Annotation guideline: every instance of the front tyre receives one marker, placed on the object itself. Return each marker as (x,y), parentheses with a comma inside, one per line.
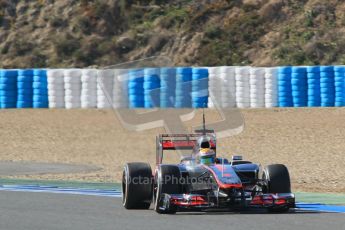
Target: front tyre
(137,186)
(277,180)
(167,180)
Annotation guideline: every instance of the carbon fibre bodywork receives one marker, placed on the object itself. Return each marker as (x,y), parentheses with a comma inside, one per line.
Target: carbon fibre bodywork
(222,187)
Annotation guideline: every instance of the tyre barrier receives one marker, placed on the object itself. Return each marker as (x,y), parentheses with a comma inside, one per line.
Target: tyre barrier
(72,84)
(168,86)
(299,86)
(284,87)
(313,81)
(8,89)
(56,88)
(174,87)
(151,87)
(120,89)
(88,94)
(327,87)
(242,87)
(24,88)
(136,88)
(40,89)
(105,81)
(257,87)
(227,87)
(214,86)
(183,89)
(199,88)
(339,74)
(271,87)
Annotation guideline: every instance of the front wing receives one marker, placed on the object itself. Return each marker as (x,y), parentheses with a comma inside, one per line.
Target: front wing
(195,202)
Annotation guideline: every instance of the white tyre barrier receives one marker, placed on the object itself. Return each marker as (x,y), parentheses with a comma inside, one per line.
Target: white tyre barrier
(105,80)
(214,86)
(210,103)
(228,86)
(72,85)
(271,87)
(120,89)
(257,87)
(242,80)
(88,98)
(56,91)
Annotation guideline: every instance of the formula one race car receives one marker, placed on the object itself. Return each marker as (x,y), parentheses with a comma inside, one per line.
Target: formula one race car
(193,185)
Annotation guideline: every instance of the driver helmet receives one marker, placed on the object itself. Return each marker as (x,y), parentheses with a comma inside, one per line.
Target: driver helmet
(205,155)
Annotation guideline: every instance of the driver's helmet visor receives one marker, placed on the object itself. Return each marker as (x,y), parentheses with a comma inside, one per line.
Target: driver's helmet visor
(209,159)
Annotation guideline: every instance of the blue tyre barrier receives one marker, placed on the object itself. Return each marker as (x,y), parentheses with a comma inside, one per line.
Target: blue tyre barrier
(40,78)
(183,87)
(40,89)
(24,104)
(327,69)
(8,80)
(285,86)
(25,72)
(24,85)
(151,87)
(168,87)
(327,86)
(5,105)
(314,94)
(298,70)
(25,78)
(338,104)
(313,69)
(40,85)
(23,97)
(339,85)
(285,104)
(40,105)
(285,70)
(327,90)
(313,103)
(8,93)
(136,88)
(199,93)
(8,88)
(299,86)
(135,84)
(284,77)
(24,88)
(313,98)
(326,74)
(40,92)
(285,94)
(299,95)
(40,98)
(5,99)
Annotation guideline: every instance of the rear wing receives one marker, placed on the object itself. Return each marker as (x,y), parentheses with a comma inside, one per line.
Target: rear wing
(180,142)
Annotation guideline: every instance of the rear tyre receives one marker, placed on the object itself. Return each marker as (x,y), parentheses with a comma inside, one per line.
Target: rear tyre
(277,181)
(166,182)
(137,186)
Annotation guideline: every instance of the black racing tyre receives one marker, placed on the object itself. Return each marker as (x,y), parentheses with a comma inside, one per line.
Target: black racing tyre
(277,178)
(167,180)
(137,186)
(278,181)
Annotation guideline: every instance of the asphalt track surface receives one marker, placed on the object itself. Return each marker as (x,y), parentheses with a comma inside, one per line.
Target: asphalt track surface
(8,168)
(35,211)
